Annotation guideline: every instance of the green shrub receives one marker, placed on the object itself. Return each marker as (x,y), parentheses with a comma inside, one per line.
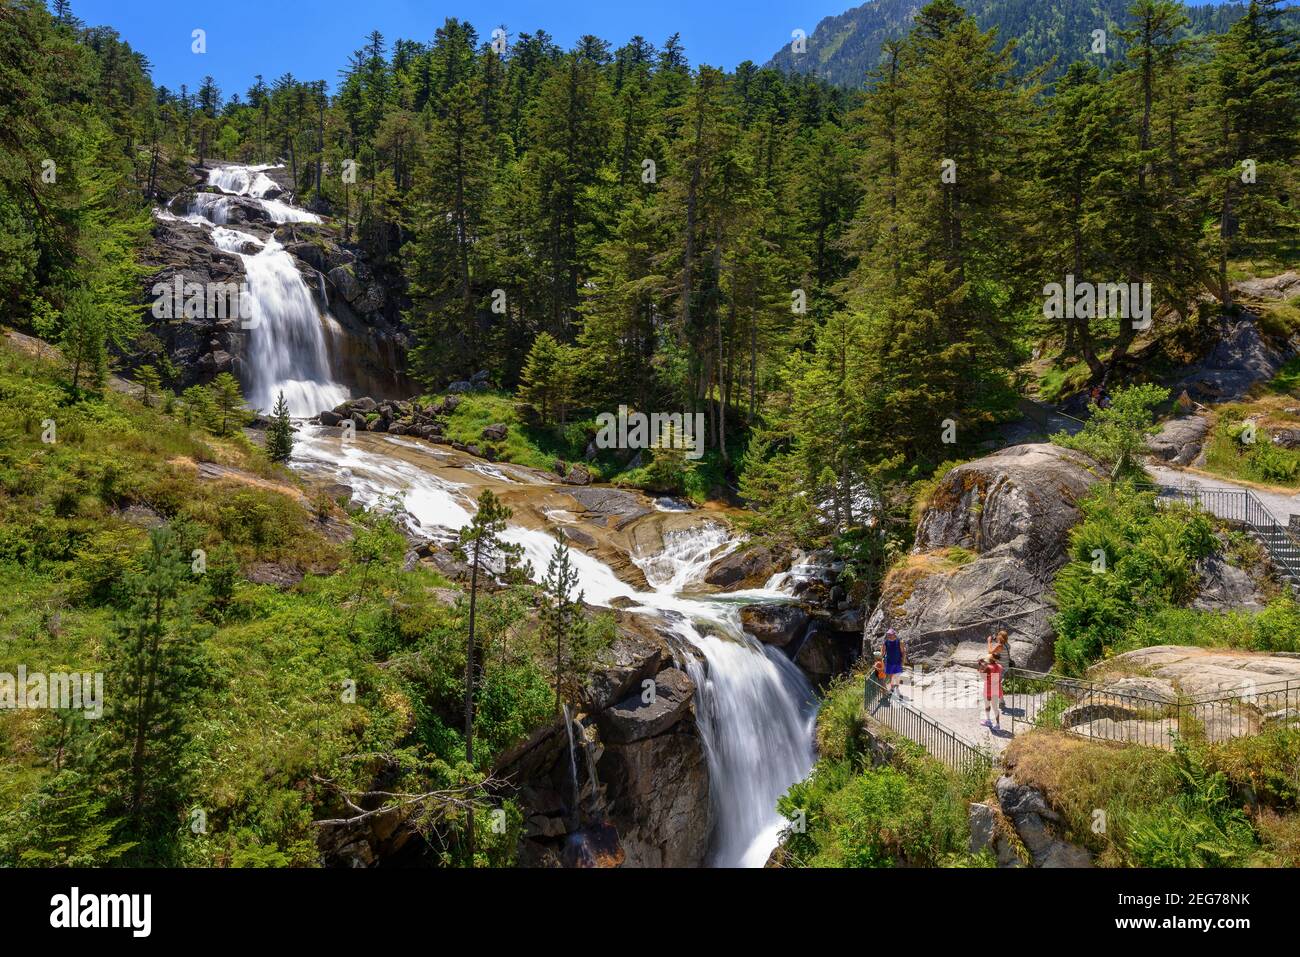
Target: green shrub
(913,813)
(1130,558)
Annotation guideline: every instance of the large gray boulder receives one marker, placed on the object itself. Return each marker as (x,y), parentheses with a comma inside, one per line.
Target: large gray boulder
(1180,439)
(1241,357)
(748,566)
(1223,587)
(1012,509)
(1285,286)
(1025,496)
(774,623)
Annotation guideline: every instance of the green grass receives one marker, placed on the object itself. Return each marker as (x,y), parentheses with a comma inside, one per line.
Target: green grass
(911,811)
(529,445)
(1281,319)
(1287,380)
(1057,383)
(1227,452)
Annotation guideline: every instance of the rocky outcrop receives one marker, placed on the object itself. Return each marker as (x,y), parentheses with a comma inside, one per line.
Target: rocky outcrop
(1285,286)
(822,645)
(988,546)
(747,567)
(824,653)
(1035,825)
(1024,496)
(1223,587)
(658,797)
(642,769)
(1241,356)
(1180,440)
(1207,670)
(392,416)
(775,624)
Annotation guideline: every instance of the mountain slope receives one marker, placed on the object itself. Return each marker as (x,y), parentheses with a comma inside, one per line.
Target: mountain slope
(843,49)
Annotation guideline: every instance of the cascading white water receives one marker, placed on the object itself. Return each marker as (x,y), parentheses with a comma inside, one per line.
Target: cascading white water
(755,708)
(286,347)
(574,811)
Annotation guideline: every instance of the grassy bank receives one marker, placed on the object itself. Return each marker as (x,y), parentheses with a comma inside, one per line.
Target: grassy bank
(277,701)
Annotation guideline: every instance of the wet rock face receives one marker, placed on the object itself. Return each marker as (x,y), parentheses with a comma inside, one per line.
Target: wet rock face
(650,786)
(658,793)
(812,638)
(1014,509)
(745,568)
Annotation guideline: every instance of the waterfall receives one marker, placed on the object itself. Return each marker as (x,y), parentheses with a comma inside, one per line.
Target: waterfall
(285,349)
(755,709)
(576,809)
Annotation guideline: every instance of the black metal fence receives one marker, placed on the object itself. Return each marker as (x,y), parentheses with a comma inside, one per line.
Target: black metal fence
(1242,507)
(963,756)
(1150,715)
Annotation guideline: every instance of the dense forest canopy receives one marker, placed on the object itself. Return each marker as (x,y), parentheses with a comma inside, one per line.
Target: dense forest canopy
(835,278)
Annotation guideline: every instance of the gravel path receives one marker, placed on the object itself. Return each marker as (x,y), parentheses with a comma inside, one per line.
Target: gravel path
(1282,505)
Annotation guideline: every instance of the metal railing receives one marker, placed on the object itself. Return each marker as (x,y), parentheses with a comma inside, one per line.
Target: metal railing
(1242,507)
(949,747)
(1149,717)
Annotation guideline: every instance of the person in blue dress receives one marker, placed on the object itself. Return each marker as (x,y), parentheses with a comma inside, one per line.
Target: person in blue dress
(895,658)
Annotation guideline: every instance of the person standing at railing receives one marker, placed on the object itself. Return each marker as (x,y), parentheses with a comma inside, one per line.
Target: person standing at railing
(991,670)
(895,653)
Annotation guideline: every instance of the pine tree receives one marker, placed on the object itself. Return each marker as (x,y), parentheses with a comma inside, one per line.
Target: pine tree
(481,545)
(155,663)
(1075,167)
(84,339)
(451,191)
(939,276)
(150,384)
(1252,119)
(569,129)
(227,402)
(279,434)
(65,824)
(197,406)
(546,382)
(1151,245)
(562,625)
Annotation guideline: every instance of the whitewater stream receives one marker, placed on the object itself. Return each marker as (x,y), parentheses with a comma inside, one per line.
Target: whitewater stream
(755,708)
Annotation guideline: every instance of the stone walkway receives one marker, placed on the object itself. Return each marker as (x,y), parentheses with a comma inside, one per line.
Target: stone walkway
(953,697)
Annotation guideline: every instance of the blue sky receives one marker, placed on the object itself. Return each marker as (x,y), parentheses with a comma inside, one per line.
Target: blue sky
(312,38)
